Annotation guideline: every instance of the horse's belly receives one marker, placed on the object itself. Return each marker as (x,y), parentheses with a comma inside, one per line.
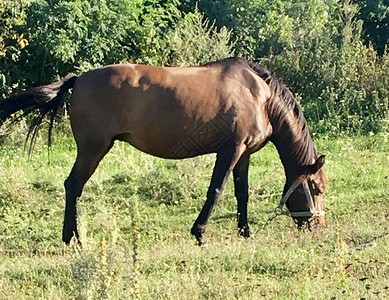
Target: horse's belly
(182,140)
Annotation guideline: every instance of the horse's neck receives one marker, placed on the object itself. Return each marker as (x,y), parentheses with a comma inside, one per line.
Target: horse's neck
(294,145)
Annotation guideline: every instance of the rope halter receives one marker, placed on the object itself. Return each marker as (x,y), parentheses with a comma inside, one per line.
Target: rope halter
(297,214)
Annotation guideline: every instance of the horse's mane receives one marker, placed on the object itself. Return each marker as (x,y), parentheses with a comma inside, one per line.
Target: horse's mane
(279,106)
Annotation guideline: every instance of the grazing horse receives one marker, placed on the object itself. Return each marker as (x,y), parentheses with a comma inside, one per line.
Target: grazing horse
(229,107)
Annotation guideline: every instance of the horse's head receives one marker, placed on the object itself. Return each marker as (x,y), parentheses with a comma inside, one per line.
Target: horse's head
(305,200)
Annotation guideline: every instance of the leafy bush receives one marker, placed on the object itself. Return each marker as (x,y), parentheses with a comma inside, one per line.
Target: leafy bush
(195,41)
(76,36)
(342,82)
(319,48)
(375,17)
(79,35)
(12,42)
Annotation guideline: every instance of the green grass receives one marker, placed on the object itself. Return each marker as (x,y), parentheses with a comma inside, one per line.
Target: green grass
(136,212)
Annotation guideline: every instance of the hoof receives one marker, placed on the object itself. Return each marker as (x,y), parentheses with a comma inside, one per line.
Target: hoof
(244,232)
(67,236)
(198,231)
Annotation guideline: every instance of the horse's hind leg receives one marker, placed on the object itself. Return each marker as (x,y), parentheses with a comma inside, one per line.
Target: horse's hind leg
(241,193)
(225,162)
(88,157)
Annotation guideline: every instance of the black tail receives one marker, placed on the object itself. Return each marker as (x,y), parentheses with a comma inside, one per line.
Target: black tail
(43,99)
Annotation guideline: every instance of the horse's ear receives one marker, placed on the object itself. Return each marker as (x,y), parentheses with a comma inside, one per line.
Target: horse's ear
(319,162)
(316,166)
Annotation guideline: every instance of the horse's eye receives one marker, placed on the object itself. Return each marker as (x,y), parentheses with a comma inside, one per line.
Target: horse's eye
(316,189)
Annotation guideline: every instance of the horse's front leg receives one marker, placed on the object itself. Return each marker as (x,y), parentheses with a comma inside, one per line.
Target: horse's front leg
(242,194)
(226,159)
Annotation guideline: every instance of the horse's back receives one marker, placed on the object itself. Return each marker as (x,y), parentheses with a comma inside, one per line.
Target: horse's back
(168,112)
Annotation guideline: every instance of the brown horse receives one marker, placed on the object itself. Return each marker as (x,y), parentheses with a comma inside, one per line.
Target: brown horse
(229,107)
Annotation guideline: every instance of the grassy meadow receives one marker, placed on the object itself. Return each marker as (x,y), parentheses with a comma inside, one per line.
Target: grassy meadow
(137,210)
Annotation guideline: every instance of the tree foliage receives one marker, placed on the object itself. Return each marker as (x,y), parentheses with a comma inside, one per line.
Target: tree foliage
(79,35)
(12,41)
(341,81)
(195,41)
(331,53)
(375,17)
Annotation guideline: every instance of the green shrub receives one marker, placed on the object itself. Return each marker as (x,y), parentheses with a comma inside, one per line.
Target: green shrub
(12,43)
(341,82)
(79,35)
(195,41)
(319,48)
(76,36)
(375,16)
